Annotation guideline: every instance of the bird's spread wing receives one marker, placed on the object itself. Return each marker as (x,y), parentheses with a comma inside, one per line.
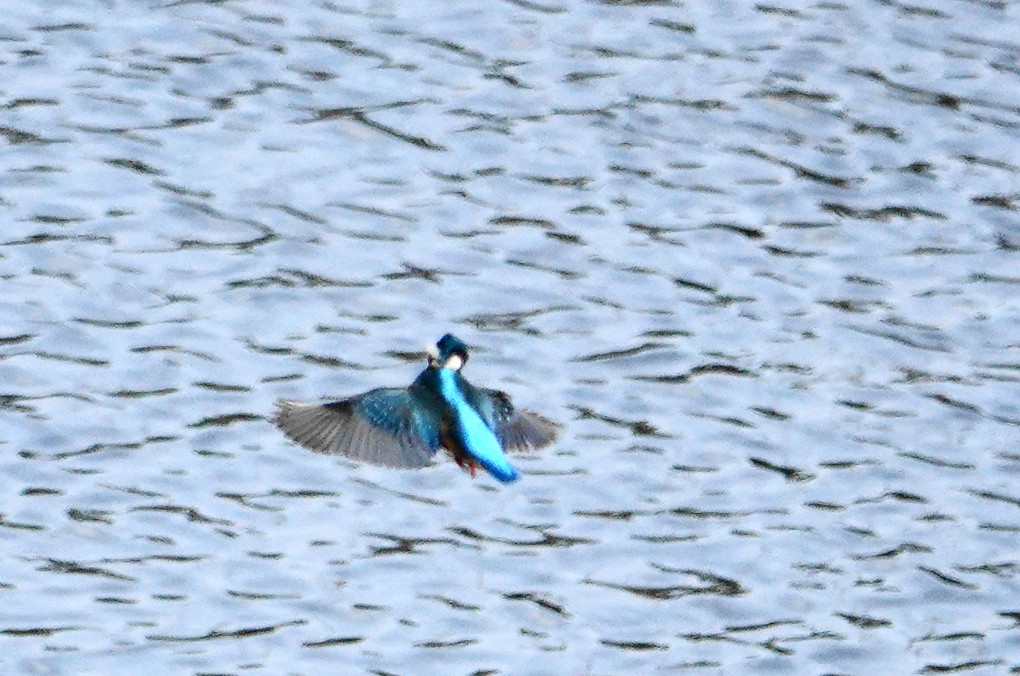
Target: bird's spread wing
(383,427)
(516,430)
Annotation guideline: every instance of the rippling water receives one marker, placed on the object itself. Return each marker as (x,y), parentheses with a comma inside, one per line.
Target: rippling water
(759,260)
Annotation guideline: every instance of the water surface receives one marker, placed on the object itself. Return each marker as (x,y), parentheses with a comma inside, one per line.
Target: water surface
(760,261)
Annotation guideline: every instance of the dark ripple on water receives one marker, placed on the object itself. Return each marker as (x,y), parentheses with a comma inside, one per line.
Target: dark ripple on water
(759,260)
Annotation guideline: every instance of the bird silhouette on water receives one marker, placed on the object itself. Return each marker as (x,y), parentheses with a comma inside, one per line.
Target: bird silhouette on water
(406,426)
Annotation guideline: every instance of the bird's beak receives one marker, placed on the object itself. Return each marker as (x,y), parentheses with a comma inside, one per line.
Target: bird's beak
(432,352)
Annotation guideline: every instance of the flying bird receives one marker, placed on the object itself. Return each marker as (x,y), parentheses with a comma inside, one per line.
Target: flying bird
(405,427)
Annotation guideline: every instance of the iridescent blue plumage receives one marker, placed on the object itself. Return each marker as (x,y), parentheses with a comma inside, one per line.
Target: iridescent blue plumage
(404,427)
(471,433)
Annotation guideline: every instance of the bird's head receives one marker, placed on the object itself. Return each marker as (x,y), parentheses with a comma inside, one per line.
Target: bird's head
(449,353)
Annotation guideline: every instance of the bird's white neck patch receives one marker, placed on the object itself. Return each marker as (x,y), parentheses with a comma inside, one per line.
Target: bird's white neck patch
(453,362)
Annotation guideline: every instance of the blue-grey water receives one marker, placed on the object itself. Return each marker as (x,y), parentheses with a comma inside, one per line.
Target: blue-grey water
(759,260)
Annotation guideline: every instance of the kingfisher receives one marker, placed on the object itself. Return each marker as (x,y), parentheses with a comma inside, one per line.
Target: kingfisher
(404,427)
